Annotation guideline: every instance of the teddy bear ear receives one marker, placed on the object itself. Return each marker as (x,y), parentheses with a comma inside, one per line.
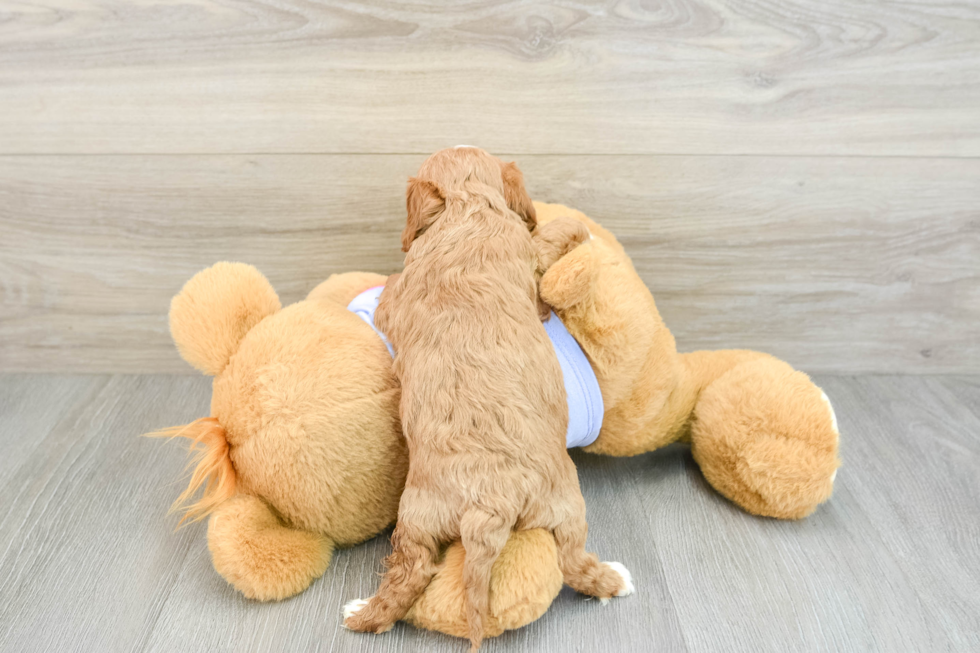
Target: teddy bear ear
(215,309)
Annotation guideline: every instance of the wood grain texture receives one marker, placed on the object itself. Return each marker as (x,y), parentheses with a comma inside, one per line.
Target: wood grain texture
(89,562)
(87,558)
(835,264)
(920,448)
(628,76)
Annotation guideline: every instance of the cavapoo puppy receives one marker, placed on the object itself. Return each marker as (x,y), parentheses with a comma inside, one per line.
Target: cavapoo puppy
(483,405)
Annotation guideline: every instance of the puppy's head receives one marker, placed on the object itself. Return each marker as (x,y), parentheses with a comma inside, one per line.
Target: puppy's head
(453,170)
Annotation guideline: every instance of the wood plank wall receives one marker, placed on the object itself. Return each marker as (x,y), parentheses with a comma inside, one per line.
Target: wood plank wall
(801,176)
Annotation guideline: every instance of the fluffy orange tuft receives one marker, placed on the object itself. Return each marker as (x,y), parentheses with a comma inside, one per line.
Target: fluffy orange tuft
(212,467)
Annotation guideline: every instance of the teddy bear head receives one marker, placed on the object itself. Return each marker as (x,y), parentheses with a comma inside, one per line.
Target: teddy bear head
(304,404)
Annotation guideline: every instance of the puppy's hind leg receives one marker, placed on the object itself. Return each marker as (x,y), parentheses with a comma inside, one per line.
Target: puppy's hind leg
(582,570)
(410,568)
(484,535)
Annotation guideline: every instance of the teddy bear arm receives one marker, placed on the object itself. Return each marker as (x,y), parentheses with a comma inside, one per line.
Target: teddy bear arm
(556,239)
(524,581)
(260,556)
(342,288)
(570,280)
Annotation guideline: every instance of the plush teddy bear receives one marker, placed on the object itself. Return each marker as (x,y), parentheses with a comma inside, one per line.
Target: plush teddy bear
(303,450)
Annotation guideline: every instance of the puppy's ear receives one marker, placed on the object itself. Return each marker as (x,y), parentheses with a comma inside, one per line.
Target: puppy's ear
(424,201)
(516,196)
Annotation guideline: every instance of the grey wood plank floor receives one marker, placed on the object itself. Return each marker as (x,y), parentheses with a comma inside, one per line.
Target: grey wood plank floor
(89,560)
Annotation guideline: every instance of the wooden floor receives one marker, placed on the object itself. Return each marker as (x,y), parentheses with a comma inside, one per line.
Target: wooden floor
(90,562)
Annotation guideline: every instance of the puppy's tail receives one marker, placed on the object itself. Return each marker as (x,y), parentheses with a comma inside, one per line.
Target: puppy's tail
(212,467)
(484,535)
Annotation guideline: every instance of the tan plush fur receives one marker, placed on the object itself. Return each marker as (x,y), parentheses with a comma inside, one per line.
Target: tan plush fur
(761,432)
(343,288)
(213,470)
(304,423)
(483,404)
(258,554)
(254,545)
(242,300)
(525,581)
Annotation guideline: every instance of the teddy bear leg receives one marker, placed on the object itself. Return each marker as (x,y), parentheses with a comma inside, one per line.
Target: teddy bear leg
(766,438)
(524,581)
(259,555)
(342,288)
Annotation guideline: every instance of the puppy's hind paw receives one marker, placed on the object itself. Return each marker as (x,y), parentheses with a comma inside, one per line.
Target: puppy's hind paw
(353,607)
(627,587)
(361,616)
(627,577)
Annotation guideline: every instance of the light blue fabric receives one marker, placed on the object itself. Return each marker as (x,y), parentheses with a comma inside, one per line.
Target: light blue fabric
(364,306)
(585,408)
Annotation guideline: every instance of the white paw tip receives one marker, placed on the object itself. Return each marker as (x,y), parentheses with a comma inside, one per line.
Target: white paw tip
(353,607)
(620,569)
